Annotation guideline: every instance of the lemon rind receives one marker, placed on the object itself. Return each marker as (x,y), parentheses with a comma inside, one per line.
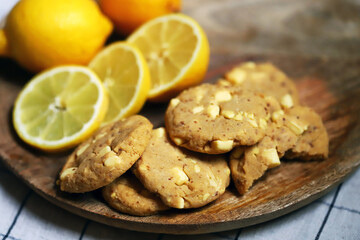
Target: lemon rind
(198,32)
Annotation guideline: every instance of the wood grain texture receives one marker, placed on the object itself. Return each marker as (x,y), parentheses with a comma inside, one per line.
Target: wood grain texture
(313,43)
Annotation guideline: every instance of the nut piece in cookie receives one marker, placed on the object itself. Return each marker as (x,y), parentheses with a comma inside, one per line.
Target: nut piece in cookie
(264,78)
(248,164)
(313,140)
(214,119)
(181,178)
(128,195)
(106,155)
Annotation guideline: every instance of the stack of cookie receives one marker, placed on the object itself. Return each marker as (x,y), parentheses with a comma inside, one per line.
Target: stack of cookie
(169,176)
(253,113)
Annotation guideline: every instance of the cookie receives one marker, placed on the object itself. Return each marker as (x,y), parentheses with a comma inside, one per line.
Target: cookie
(264,78)
(297,132)
(313,140)
(182,179)
(106,155)
(248,164)
(128,195)
(214,119)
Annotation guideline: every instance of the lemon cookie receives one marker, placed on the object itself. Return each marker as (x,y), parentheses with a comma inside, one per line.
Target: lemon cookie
(181,178)
(297,132)
(248,164)
(264,78)
(214,119)
(128,195)
(106,155)
(313,140)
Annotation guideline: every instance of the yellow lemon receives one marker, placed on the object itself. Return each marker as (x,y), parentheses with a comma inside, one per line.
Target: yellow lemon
(177,52)
(126,77)
(127,15)
(40,33)
(60,108)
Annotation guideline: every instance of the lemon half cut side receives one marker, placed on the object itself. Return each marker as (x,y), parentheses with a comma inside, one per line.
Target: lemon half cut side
(177,52)
(60,107)
(126,77)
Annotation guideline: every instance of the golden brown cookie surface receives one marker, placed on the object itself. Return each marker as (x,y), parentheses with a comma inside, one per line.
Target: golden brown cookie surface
(214,119)
(297,132)
(264,78)
(128,195)
(313,140)
(106,155)
(248,164)
(182,179)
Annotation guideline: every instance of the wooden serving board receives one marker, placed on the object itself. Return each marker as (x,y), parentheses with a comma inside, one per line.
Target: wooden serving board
(297,37)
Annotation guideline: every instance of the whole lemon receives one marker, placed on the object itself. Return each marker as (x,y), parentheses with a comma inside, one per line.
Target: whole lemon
(40,33)
(127,15)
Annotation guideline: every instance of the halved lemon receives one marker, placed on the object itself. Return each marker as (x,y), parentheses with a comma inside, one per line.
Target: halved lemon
(60,108)
(177,52)
(126,77)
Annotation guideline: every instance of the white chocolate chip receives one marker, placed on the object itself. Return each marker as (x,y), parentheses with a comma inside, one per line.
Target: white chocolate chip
(143,168)
(179,175)
(267,117)
(67,172)
(287,101)
(113,195)
(213,111)
(181,203)
(250,115)
(223,82)
(212,183)
(228,114)
(254,150)
(297,127)
(239,116)
(236,76)
(198,109)
(237,152)
(199,96)
(250,65)
(159,132)
(176,202)
(252,122)
(197,168)
(223,146)
(104,151)
(223,96)
(206,196)
(112,161)
(272,157)
(263,123)
(82,149)
(277,115)
(174,102)
(100,135)
(178,141)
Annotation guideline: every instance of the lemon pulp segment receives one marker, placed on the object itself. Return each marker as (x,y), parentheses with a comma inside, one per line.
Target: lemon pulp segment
(176,50)
(125,76)
(59,106)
